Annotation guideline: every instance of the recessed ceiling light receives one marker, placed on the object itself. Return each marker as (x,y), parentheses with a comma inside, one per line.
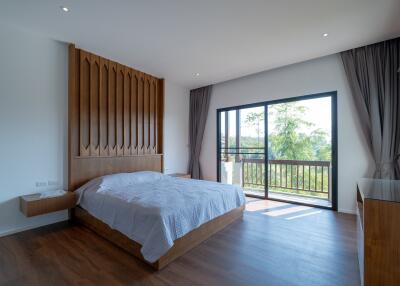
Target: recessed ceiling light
(197,74)
(65,9)
(325,35)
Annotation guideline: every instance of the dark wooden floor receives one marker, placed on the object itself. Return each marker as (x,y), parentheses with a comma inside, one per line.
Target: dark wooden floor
(275,244)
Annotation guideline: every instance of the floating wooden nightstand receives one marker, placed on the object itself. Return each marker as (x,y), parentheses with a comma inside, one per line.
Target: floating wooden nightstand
(32,205)
(180,175)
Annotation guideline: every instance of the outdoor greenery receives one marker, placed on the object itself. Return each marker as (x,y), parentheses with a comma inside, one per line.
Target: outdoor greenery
(291,138)
(288,141)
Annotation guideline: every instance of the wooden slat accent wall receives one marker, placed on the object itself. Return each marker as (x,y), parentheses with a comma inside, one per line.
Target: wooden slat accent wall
(114,111)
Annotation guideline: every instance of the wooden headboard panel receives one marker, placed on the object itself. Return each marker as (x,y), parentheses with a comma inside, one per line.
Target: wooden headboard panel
(115,118)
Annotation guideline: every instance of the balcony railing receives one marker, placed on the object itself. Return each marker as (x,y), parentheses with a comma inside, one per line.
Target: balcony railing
(288,176)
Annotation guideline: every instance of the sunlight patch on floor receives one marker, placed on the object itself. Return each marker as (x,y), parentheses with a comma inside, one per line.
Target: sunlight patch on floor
(254,205)
(283,210)
(303,215)
(286,211)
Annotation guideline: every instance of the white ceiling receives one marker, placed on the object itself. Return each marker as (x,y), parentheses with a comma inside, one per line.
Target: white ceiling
(220,39)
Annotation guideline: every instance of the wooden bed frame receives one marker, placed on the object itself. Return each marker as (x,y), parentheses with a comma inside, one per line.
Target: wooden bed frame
(181,245)
(116,125)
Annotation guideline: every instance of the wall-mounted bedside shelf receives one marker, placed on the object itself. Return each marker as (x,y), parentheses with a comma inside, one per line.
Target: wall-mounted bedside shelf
(180,175)
(35,204)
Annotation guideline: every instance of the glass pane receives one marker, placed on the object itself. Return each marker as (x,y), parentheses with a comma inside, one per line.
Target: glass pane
(299,151)
(222,129)
(231,128)
(252,127)
(243,162)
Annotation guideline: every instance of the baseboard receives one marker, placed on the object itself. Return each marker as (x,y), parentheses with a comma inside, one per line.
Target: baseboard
(347,211)
(28,227)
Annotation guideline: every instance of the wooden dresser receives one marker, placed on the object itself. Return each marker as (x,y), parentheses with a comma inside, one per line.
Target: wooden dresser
(378,231)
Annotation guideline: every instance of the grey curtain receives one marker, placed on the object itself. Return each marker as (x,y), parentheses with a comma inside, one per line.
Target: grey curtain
(373,75)
(199,104)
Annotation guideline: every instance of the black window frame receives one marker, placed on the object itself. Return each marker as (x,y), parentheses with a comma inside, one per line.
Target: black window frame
(334,138)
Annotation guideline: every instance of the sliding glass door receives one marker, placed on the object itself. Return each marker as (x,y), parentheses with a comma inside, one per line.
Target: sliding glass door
(300,151)
(242,149)
(283,150)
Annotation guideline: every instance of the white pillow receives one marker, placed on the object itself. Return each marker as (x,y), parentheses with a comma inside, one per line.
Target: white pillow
(126,179)
(116,181)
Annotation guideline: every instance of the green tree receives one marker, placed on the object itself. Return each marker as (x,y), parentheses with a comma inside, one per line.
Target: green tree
(287,141)
(254,119)
(320,143)
(290,138)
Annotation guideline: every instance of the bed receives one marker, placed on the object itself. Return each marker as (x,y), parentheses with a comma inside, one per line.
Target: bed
(154,216)
(115,130)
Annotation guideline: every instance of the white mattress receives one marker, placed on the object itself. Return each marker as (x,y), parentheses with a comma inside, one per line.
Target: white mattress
(157,209)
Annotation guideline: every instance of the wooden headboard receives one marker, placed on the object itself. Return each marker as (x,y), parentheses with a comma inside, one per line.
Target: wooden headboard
(115,118)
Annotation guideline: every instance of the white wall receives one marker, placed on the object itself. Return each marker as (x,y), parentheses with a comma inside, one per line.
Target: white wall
(315,76)
(33,124)
(176,128)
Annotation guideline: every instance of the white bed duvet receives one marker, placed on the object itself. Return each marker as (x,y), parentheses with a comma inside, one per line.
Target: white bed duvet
(155,209)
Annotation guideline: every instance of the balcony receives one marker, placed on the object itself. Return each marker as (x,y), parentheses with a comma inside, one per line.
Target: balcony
(290,180)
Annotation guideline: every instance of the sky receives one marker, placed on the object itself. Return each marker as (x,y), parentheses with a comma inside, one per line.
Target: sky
(318,111)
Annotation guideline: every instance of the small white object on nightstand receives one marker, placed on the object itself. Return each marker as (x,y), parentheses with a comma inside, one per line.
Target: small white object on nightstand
(52,194)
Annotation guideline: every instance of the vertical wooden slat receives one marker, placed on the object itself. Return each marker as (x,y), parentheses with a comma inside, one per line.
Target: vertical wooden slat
(140,115)
(152,116)
(156,116)
(103,103)
(120,109)
(160,115)
(84,92)
(127,111)
(112,108)
(134,113)
(146,113)
(73,109)
(94,105)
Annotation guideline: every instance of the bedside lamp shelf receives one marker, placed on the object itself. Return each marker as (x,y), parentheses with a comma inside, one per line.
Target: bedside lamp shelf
(180,175)
(37,204)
